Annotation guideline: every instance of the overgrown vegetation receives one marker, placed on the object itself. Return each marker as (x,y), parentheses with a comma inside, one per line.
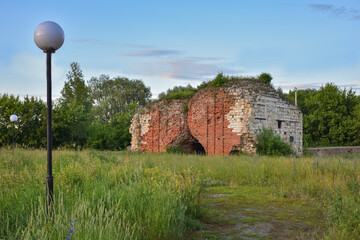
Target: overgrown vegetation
(221,80)
(178,92)
(270,143)
(118,195)
(331,116)
(265,78)
(174,150)
(110,195)
(96,115)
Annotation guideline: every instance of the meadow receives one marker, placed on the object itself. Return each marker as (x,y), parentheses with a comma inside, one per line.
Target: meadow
(123,195)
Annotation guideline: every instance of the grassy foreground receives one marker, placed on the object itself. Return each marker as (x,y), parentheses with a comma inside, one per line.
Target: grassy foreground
(118,195)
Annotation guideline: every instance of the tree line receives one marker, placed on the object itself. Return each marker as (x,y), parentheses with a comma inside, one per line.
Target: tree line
(331,116)
(97,114)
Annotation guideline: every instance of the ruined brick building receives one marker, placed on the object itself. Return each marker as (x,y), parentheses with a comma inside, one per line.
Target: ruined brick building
(217,121)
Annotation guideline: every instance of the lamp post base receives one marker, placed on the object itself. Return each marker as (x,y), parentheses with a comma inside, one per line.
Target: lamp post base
(49,196)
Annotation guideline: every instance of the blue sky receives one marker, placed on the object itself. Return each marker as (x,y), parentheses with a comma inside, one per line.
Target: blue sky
(302,44)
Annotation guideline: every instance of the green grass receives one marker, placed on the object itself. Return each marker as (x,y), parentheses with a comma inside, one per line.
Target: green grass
(118,195)
(253,220)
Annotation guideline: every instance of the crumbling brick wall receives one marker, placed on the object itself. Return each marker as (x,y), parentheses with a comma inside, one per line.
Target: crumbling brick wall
(158,126)
(221,120)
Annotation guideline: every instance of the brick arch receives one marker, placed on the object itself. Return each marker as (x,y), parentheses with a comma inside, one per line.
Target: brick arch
(210,121)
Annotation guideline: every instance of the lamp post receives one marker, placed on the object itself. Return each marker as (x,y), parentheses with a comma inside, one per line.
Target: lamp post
(13,119)
(49,37)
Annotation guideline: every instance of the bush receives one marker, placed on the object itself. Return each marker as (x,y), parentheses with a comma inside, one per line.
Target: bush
(218,81)
(178,92)
(269,143)
(265,77)
(174,149)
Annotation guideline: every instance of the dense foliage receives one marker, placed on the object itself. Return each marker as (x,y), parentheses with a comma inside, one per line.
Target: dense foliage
(265,77)
(30,129)
(331,116)
(96,115)
(270,143)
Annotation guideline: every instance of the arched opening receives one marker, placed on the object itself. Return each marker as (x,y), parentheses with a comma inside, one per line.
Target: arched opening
(192,146)
(198,148)
(234,152)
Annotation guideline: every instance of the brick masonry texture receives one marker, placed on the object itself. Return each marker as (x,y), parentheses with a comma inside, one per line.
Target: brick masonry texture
(158,126)
(223,120)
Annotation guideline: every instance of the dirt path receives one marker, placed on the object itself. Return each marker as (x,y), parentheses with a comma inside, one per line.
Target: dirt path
(254,213)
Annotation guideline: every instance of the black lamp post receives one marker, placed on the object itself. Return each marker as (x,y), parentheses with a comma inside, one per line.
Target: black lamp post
(49,37)
(13,118)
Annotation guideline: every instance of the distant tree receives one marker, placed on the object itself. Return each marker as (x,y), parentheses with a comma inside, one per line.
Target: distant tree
(9,105)
(32,123)
(118,95)
(115,102)
(305,99)
(113,135)
(329,116)
(265,77)
(72,114)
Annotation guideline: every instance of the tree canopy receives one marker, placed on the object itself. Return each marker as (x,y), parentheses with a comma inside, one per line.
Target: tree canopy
(330,116)
(97,114)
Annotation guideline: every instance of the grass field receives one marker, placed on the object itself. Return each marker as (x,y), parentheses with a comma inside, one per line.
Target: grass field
(119,195)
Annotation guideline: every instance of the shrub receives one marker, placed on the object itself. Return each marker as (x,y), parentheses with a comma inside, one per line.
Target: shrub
(265,77)
(174,149)
(178,92)
(269,143)
(218,81)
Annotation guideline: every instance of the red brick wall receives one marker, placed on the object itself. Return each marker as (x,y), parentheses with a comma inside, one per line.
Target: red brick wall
(207,122)
(213,117)
(167,122)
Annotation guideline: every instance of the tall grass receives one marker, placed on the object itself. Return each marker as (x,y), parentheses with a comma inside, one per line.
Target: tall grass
(118,195)
(109,195)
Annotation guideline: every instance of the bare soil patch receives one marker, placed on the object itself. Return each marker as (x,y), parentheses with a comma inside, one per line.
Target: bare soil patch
(229,214)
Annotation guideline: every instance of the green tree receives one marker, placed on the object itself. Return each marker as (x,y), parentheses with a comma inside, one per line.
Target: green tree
(115,102)
(8,105)
(32,123)
(72,113)
(118,95)
(265,77)
(329,116)
(113,135)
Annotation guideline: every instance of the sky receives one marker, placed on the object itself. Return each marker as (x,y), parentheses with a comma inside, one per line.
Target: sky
(301,43)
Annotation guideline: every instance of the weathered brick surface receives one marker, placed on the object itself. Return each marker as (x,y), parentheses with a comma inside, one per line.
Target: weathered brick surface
(155,128)
(222,120)
(208,122)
